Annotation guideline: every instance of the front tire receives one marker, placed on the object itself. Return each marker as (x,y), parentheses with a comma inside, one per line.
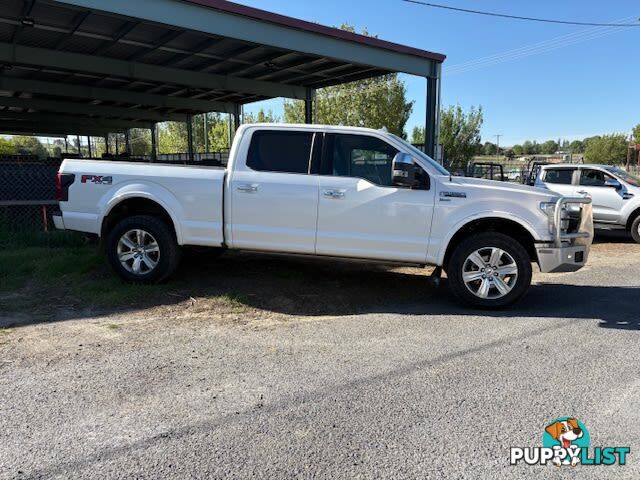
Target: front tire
(489,270)
(142,249)
(635,229)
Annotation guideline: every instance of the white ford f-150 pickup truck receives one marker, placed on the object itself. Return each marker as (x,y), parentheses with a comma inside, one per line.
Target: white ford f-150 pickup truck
(328,191)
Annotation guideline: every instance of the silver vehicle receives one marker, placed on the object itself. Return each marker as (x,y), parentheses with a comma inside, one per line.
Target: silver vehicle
(615,193)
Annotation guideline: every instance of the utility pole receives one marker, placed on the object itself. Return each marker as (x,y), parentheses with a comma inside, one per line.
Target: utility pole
(498,145)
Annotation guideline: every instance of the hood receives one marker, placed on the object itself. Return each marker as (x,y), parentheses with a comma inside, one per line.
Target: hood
(542,193)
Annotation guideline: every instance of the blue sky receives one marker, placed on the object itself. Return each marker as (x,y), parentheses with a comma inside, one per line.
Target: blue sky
(564,82)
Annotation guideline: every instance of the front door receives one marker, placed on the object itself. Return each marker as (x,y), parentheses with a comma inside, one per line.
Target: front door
(360,213)
(607,201)
(274,200)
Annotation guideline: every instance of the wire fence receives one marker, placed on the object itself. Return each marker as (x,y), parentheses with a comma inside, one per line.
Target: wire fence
(27,197)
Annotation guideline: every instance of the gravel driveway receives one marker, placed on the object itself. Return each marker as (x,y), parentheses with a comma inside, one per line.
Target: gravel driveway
(414,390)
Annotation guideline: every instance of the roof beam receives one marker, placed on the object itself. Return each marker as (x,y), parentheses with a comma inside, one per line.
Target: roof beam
(18,54)
(12,128)
(90,109)
(112,95)
(191,16)
(59,119)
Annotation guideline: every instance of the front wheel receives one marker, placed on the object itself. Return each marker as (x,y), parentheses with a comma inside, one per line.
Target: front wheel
(142,249)
(489,270)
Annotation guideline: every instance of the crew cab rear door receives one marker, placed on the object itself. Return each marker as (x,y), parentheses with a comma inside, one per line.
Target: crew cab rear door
(360,213)
(273,199)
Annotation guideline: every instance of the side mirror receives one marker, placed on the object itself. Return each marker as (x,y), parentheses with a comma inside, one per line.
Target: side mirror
(613,183)
(404,170)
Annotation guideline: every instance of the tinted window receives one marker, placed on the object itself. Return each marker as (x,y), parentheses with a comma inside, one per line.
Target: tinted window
(562,176)
(273,151)
(593,178)
(358,156)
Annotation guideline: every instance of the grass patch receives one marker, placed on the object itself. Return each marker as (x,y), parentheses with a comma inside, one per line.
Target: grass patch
(37,238)
(6,331)
(20,266)
(236,302)
(78,275)
(113,326)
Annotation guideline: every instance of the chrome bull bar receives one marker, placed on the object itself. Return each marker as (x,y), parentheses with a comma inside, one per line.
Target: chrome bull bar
(585,230)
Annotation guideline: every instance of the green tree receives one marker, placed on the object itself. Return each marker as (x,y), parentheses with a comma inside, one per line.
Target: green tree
(577,146)
(549,147)
(636,133)
(261,117)
(375,103)
(489,148)
(609,149)
(29,146)
(140,141)
(518,150)
(460,134)
(7,147)
(418,135)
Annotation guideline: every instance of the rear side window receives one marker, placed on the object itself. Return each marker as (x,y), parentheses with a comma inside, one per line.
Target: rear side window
(274,151)
(559,175)
(358,156)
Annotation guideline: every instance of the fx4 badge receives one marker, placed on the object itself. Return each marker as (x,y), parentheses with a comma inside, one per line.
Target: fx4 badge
(97,179)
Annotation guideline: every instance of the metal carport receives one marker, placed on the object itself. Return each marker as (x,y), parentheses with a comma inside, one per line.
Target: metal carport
(92,67)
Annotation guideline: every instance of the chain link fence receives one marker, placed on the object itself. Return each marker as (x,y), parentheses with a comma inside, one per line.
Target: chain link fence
(27,197)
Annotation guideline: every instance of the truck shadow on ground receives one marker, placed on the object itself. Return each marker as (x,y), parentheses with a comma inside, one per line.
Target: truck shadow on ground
(259,284)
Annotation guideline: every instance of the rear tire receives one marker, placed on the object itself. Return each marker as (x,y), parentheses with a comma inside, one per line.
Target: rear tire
(635,229)
(489,270)
(142,249)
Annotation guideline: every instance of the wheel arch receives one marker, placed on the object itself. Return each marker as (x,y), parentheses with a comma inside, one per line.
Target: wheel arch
(137,205)
(509,227)
(632,217)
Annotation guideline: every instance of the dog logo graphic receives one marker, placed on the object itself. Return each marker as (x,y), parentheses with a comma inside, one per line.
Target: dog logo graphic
(567,434)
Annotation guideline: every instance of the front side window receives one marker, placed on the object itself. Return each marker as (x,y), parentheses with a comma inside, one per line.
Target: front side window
(358,156)
(594,178)
(562,176)
(280,151)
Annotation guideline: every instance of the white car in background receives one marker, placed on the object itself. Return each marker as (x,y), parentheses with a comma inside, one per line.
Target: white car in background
(615,193)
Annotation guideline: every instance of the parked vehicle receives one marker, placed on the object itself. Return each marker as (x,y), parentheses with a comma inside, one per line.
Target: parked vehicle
(486,170)
(615,193)
(328,191)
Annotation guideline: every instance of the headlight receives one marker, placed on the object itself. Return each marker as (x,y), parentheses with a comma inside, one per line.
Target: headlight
(550,209)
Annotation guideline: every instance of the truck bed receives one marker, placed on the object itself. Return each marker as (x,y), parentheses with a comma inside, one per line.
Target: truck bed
(191,195)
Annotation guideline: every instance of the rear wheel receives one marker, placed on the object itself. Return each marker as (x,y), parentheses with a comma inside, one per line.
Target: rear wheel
(142,249)
(635,229)
(489,270)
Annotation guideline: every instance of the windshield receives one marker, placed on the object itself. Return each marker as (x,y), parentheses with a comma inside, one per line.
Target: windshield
(419,153)
(625,176)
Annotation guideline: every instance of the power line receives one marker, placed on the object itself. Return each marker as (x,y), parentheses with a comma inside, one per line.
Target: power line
(516,17)
(532,49)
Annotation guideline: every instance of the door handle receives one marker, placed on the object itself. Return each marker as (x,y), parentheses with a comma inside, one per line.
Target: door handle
(253,188)
(582,192)
(334,194)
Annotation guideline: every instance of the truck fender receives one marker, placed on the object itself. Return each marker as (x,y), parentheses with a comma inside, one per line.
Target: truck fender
(146,190)
(489,215)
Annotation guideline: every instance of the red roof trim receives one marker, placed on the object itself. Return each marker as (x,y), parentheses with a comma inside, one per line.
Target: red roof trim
(291,22)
